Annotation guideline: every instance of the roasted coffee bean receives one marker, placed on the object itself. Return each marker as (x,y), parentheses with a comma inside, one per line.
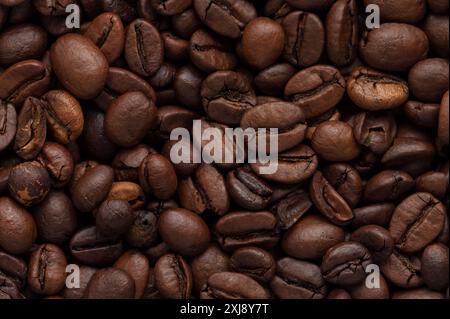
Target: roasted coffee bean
(435,183)
(316,89)
(192,233)
(107,32)
(227,17)
(305,38)
(342,29)
(226,95)
(79,65)
(362,291)
(291,208)
(14,268)
(48,8)
(186,23)
(18,231)
(59,163)
(64,116)
(402,270)
(31,129)
(422,114)
(187,85)
(375,91)
(127,162)
(47,270)
(143,232)
(345,264)
(144,48)
(239,229)
(410,11)
(173,277)
(92,188)
(272,80)
(8,124)
(232,285)
(381,49)
(136,265)
(211,261)
(375,238)
(114,217)
(248,190)
(346,181)
(254,262)
(158,177)
(428,79)
(438,6)
(129,192)
(86,274)
(129,118)
(310,5)
(29,183)
(294,166)
(93,249)
(388,186)
(22,80)
(328,201)
(436,28)
(443,126)
(297,279)
(338,293)
(204,190)
(110,283)
(55,217)
(416,222)
(288,118)
(419,293)
(434,266)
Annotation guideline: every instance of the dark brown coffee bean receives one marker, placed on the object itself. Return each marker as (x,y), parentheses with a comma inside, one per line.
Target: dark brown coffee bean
(192,233)
(143,232)
(239,229)
(129,118)
(170,7)
(297,279)
(422,114)
(438,6)
(123,8)
(305,38)
(93,249)
(136,265)
(108,34)
(328,201)
(172,117)
(205,190)
(362,291)
(435,183)
(254,262)
(428,79)
(92,188)
(443,126)
(186,23)
(410,11)
(416,222)
(52,8)
(47,270)
(381,49)
(375,238)
(434,266)
(8,124)
(129,192)
(59,163)
(31,129)
(12,40)
(13,268)
(346,181)
(388,186)
(227,18)
(18,232)
(338,293)
(114,217)
(377,214)
(144,48)
(436,28)
(272,80)
(316,89)
(211,261)
(22,80)
(29,183)
(173,277)
(86,274)
(420,293)
(345,264)
(187,85)
(310,5)
(342,28)
(291,208)
(79,65)
(127,162)
(110,283)
(55,217)
(232,285)
(402,270)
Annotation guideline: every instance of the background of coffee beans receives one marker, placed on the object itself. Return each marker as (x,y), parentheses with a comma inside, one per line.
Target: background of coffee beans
(85,174)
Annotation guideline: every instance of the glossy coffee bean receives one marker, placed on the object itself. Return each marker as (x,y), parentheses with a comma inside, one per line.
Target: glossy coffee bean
(192,232)
(346,181)
(8,124)
(434,266)
(428,79)
(173,277)
(345,264)
(19,231)
(436,28)
(136,265)
(110,283)
(14,268)
(114,217)
(402,270)
(127,162)
(83,72)
(59,163)
(410,11)
(422,114)
(375,238)
(143,232)
(361,291)
(435,183)
(273,79)
(297,279)
(290,208)
(47,270)
(224,285)
(388,186)
(443,126)
(86,274)
(254,262)
(129,192)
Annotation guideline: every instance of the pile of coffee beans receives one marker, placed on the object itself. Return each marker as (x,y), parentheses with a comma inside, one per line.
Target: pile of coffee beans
(92,206)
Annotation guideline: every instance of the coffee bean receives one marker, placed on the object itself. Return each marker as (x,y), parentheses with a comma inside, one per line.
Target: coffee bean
(114,217)
(435,183)
(129,192)
(225,285)
(346,181)
(312,5)
(291,208)
(136,265)
(272,80)
(436,28)
(362,291)
(388,186)
(443,126)
(86,274)
(420,293)
(143,232)
(158,177)
(173,277)
(110,283)
(8,124)
(428,79)
(410,11)
(127,162)
(59,163)
(254,262)
(422,114)
(416,222)
(402,270)
(377,239)
(297,279)
(434,266)
(14,268)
